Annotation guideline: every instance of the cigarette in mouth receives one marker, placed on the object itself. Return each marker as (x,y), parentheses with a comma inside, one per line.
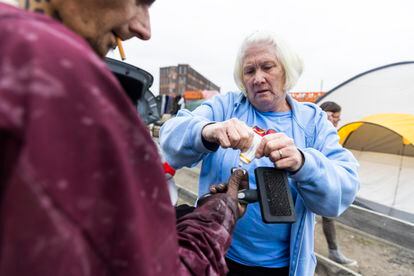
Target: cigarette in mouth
(120,48)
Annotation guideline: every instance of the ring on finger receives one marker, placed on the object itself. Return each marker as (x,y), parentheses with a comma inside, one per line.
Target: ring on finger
(280,153)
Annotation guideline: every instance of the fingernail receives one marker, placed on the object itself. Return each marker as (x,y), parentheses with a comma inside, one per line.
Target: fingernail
(236,170)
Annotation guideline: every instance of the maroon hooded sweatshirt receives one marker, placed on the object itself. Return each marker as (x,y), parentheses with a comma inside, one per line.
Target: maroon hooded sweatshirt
(82,190)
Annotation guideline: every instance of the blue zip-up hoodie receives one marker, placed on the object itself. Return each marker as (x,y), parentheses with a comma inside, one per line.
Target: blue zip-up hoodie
(326,184)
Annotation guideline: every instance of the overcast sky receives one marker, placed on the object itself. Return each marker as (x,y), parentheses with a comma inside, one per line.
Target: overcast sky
(336,39)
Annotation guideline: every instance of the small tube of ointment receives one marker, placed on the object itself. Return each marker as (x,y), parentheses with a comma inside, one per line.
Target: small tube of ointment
(247,156)
(120,48)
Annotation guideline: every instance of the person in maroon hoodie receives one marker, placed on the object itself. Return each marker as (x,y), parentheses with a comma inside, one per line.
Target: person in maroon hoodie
(82,189)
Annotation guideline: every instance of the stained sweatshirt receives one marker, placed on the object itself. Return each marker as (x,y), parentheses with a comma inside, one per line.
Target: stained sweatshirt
(82,189)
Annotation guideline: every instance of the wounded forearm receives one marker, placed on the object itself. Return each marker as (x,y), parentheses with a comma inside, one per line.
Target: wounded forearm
(204,236)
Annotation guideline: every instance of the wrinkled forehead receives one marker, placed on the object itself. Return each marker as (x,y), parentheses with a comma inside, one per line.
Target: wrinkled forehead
(259,51)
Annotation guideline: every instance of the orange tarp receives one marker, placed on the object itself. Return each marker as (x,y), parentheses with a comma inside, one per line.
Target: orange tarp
(306,96)
(193,95)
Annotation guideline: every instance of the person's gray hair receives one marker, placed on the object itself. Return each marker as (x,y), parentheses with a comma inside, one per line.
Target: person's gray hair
(291,62)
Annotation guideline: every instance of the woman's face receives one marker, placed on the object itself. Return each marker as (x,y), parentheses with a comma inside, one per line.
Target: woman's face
(264,78)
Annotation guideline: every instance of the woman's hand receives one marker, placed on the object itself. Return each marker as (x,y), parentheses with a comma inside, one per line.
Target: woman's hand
(281,150)
(229,134)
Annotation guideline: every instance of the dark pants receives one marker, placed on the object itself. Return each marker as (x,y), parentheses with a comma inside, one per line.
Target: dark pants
(328,226)
(236,269)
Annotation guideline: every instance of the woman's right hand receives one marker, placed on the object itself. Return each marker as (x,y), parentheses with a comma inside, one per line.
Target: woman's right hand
(232,133)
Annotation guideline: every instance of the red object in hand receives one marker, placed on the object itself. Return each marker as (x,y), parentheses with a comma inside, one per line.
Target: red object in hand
(259,131)
(270,131)
(263,132)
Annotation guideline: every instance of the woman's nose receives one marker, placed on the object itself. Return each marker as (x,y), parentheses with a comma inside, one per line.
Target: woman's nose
(140,24)
(258,78)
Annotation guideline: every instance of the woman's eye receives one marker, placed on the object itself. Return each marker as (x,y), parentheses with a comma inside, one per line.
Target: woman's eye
(267,67)
(248,71)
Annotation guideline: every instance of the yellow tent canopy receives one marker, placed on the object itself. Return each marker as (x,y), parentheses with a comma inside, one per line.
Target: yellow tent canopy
(384,147)
(386,133)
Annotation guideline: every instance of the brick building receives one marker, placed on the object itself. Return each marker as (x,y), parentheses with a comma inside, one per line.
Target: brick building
(175,80)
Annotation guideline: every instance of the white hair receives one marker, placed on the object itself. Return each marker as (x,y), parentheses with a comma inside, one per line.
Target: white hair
(291,62)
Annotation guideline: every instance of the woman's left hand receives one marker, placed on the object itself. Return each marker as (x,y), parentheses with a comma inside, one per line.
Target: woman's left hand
(281,150)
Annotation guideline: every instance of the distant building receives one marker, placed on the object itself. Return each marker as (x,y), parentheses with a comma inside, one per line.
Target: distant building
(175,80)
(306,96)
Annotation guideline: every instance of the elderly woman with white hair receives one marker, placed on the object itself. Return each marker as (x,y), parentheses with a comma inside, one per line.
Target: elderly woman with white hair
(299,139)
